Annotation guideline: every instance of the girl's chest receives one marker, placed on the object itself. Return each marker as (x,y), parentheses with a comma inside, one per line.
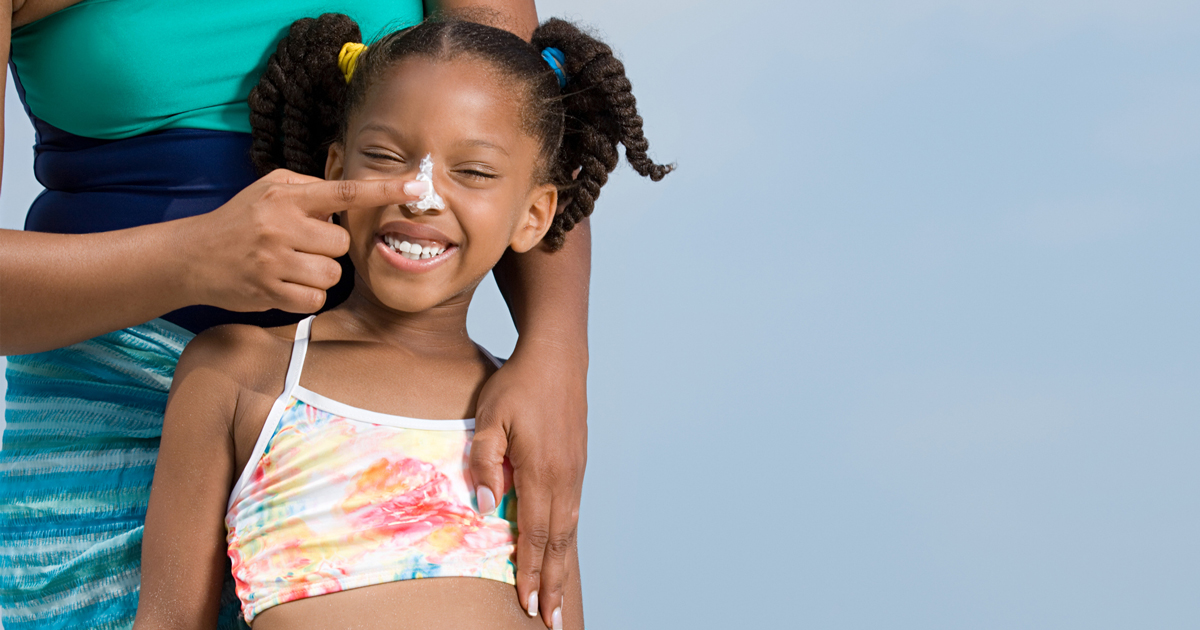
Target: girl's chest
(364,386)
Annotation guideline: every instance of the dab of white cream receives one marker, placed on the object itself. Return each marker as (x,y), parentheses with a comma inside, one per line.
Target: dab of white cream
(430,200)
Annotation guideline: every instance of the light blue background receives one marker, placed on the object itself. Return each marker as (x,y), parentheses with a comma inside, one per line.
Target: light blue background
(910,339)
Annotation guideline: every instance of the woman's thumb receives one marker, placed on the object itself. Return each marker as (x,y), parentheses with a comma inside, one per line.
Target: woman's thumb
(487,467)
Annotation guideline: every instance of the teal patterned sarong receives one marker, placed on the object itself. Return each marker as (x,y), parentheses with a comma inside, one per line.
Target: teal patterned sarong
(78,454)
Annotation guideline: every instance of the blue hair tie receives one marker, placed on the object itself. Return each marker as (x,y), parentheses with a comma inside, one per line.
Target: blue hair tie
(558,63)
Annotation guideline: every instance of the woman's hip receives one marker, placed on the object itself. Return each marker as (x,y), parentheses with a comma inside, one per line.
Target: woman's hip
(80,443)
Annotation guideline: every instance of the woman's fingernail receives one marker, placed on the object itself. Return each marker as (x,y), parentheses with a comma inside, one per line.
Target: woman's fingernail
(556,619)
(415,187)
(532,604)
(486,500)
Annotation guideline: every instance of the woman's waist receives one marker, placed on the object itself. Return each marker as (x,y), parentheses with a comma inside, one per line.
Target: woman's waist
(172,163)
(104,185)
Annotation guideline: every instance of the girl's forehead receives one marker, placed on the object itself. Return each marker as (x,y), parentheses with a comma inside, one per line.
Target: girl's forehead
(463,83)
(461,94)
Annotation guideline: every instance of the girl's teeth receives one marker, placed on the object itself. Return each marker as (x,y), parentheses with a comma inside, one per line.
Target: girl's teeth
(412,251)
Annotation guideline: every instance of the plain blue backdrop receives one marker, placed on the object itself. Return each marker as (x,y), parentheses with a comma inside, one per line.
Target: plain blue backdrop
(910,339)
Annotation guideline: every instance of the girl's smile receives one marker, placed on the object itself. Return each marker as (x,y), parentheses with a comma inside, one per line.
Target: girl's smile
(413,247)
(410,262)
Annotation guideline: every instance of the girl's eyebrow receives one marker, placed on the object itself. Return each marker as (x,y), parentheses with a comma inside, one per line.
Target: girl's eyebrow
(395,133)
(378,126)
(484,144)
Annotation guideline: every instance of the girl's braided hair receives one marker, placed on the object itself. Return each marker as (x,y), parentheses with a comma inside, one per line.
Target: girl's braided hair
(302,103)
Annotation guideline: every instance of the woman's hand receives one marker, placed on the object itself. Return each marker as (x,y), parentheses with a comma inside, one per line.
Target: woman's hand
(272,245)
(534,409)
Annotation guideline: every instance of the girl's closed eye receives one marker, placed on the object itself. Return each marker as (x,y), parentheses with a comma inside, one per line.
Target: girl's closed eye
(379,158)
(478,174)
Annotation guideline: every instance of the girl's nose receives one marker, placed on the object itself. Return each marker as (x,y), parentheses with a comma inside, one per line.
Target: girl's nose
(429,200)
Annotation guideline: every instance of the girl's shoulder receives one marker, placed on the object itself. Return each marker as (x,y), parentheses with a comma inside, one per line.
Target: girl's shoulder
(254,358)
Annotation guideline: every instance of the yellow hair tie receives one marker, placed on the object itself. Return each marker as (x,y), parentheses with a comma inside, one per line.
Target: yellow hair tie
(348,58)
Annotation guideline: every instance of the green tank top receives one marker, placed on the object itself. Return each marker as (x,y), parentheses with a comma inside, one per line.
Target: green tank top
(114,69)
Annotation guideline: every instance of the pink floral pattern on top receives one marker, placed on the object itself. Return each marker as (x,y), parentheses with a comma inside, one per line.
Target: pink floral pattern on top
(336,503)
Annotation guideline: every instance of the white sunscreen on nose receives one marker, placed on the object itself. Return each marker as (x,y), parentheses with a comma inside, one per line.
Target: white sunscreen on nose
(430,200)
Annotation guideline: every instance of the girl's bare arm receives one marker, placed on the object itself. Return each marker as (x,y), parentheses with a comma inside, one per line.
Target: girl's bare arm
(184,550)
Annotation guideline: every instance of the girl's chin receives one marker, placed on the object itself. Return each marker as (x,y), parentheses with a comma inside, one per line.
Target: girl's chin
(404,295)
(409,300)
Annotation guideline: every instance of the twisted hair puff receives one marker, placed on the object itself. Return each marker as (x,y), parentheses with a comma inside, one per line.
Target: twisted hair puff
(601,112)
(296,108)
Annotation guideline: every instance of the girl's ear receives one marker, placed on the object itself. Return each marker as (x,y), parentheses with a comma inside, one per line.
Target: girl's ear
(535,221)
(333,162)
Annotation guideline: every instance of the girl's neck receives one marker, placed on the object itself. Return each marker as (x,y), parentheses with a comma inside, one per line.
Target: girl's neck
(435,331)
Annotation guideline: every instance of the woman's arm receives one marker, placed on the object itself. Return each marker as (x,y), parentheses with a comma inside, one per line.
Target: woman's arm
(534,410)
(268,247)
(184,551)
(58,289)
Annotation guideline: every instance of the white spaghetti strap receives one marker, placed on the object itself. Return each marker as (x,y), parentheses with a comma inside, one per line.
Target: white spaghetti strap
(295,367)
(299,350)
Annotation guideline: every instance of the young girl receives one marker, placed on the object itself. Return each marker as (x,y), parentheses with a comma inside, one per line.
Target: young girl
(328,479)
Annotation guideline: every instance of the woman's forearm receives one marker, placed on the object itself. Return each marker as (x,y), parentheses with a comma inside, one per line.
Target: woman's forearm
(533,412)
(547,293)
(271,246)
(59,289)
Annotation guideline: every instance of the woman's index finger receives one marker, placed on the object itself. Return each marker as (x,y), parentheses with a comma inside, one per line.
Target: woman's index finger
(324,198)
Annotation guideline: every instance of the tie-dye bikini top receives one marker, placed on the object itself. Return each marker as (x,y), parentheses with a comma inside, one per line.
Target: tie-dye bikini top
(335,497)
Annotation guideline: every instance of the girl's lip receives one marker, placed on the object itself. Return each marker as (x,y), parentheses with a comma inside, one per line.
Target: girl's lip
(422,265)
(414,231)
